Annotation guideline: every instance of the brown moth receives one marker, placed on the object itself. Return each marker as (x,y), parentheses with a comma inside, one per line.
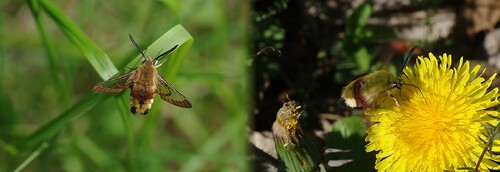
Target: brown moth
(144,82)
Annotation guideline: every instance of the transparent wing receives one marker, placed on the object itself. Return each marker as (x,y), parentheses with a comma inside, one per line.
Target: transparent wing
(169,94)
(114,85)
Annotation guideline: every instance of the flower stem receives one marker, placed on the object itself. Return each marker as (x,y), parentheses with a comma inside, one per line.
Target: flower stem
(490,141)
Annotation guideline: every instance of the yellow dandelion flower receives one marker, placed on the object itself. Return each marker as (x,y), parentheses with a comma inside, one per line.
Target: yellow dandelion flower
(442,126)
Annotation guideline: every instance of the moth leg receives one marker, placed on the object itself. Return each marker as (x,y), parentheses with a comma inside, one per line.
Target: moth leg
(396,101)
(401,95)
(133,110)
(381,103)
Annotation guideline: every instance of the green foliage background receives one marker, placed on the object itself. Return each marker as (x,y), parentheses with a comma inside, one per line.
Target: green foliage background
(53,52)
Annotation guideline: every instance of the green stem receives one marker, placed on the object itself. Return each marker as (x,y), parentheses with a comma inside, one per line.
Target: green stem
(487,145)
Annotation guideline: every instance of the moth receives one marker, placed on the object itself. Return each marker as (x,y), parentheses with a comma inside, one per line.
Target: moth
(144,82)
(366,90)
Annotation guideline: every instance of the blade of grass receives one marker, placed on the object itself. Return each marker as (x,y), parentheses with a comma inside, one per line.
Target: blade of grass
(103,66)
(127,124)
(33,155)
(8,117)
(54,66)
(175,36)
(8,147)
(95,153)
(178,35)
(97,58)
(99,61)
(235,125)
(54,126)
(212,148)
(173,5)
(2,52)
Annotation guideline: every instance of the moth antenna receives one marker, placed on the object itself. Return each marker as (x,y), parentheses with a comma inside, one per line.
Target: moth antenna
(166,52)
(136,46)
(407,58)
(159,52)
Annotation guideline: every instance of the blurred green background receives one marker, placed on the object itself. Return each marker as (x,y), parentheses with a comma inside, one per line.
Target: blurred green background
(53,52)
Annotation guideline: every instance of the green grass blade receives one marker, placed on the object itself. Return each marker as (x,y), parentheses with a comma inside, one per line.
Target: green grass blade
(8,147)
(123,106)
(8,117)
(54,66)
(175,36)
(95,153)
(97,58)
(174,5)
(33,155)
(178,35)
(212,148)
(54,126)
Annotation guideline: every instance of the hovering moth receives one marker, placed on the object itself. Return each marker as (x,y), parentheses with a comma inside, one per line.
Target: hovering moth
(366,90)
(144,82)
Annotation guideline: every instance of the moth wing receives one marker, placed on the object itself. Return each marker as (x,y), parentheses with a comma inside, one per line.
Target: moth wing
(169,94)
(352,94)
(114,85)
